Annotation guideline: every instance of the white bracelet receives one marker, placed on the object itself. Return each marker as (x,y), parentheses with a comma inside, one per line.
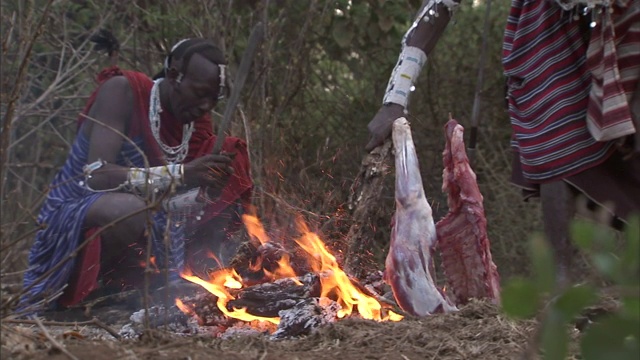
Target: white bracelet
(404,75)
(185,202)
(155,178)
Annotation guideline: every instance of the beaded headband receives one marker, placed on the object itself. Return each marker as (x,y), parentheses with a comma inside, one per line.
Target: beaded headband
(222,67)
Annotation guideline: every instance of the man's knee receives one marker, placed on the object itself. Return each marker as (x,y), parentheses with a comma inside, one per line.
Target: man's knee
(117,210)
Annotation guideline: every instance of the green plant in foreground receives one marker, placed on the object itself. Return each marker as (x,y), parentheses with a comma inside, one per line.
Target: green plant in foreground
(613,336)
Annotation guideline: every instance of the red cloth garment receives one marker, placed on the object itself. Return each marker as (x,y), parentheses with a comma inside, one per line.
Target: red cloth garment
(84,279)
(544,59)
(87,270)
(239,186)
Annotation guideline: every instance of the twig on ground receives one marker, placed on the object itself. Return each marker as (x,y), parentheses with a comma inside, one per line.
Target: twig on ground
(53,341)
(163,347)
(94,321)
(89,305)
(105,327)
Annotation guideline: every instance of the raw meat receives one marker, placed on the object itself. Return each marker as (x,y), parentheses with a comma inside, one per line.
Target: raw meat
(413,235)
(462,233)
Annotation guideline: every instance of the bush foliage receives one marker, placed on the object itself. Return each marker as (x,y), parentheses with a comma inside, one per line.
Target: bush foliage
(316,82)
(615,335)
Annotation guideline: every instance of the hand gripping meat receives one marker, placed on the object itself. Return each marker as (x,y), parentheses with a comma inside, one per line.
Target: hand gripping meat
(413,235)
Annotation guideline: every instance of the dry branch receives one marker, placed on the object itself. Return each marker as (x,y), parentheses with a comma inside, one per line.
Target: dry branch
(94,321)
(15,95)
(53,341)
(366,194)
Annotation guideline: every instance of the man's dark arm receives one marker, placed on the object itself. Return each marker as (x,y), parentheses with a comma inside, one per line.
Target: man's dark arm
(424,37)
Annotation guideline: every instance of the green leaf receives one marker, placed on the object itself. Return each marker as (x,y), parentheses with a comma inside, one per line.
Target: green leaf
(631,257)
(385,21)
(631,306)
(613,338)
(543,263)
(361,15)
(571,302)
(520,298)
(607,264)
(554,336)
(605,238)
(342,32)
(582,234)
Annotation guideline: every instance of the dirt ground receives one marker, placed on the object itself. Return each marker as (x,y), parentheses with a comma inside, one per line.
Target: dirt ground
(477,331)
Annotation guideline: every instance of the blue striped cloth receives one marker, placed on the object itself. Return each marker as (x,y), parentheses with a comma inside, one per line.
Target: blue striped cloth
(63,214)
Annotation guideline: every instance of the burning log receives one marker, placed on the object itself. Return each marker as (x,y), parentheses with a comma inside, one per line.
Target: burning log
(268,299)
(462,233)
(414,234)
(261,261)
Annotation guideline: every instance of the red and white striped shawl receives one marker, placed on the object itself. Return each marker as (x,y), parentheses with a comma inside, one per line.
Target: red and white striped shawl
(613,57)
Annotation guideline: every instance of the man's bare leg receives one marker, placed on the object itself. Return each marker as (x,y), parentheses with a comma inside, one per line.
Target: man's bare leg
(558,209)
(119,241)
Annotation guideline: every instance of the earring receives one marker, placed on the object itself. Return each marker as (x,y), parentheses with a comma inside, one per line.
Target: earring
(173,73)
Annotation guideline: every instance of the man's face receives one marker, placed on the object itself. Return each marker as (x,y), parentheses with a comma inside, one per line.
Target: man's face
(198,91)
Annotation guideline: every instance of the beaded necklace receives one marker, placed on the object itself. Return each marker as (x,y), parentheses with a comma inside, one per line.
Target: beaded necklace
(173,154)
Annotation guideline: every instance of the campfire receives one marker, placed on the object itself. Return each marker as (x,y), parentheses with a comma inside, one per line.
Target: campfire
(289,292)
(324,288)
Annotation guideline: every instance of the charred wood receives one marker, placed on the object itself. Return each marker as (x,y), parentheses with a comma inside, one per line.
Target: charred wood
(268,299)
(365,199)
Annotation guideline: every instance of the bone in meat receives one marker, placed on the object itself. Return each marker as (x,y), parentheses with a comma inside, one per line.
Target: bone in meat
(462,233)
(413,235)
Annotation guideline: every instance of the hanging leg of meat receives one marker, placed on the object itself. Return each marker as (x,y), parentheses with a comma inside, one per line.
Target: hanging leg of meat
(462,233)
(413,235)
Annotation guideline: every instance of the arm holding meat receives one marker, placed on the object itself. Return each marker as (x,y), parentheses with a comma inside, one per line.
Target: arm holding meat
(419,41)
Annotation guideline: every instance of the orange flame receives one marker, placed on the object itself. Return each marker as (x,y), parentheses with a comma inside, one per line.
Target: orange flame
(221,280)
(337,283)
(334,281)
(284,270)
(184,307)
(255,228)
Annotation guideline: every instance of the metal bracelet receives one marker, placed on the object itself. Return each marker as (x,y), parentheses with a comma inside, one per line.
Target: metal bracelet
(88,169)
(155,179)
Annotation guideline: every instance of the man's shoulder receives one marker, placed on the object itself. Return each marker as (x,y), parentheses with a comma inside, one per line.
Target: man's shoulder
(117,85)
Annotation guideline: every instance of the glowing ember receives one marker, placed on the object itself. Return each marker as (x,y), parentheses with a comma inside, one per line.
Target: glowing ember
(184,307)
(284,270)
(152,262)
(335,284)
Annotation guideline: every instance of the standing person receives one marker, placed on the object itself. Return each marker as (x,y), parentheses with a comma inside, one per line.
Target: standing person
(139,139)
(574,104)
(573,93)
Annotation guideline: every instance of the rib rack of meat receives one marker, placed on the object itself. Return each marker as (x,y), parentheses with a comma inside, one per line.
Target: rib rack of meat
(413,235)
(462,233)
